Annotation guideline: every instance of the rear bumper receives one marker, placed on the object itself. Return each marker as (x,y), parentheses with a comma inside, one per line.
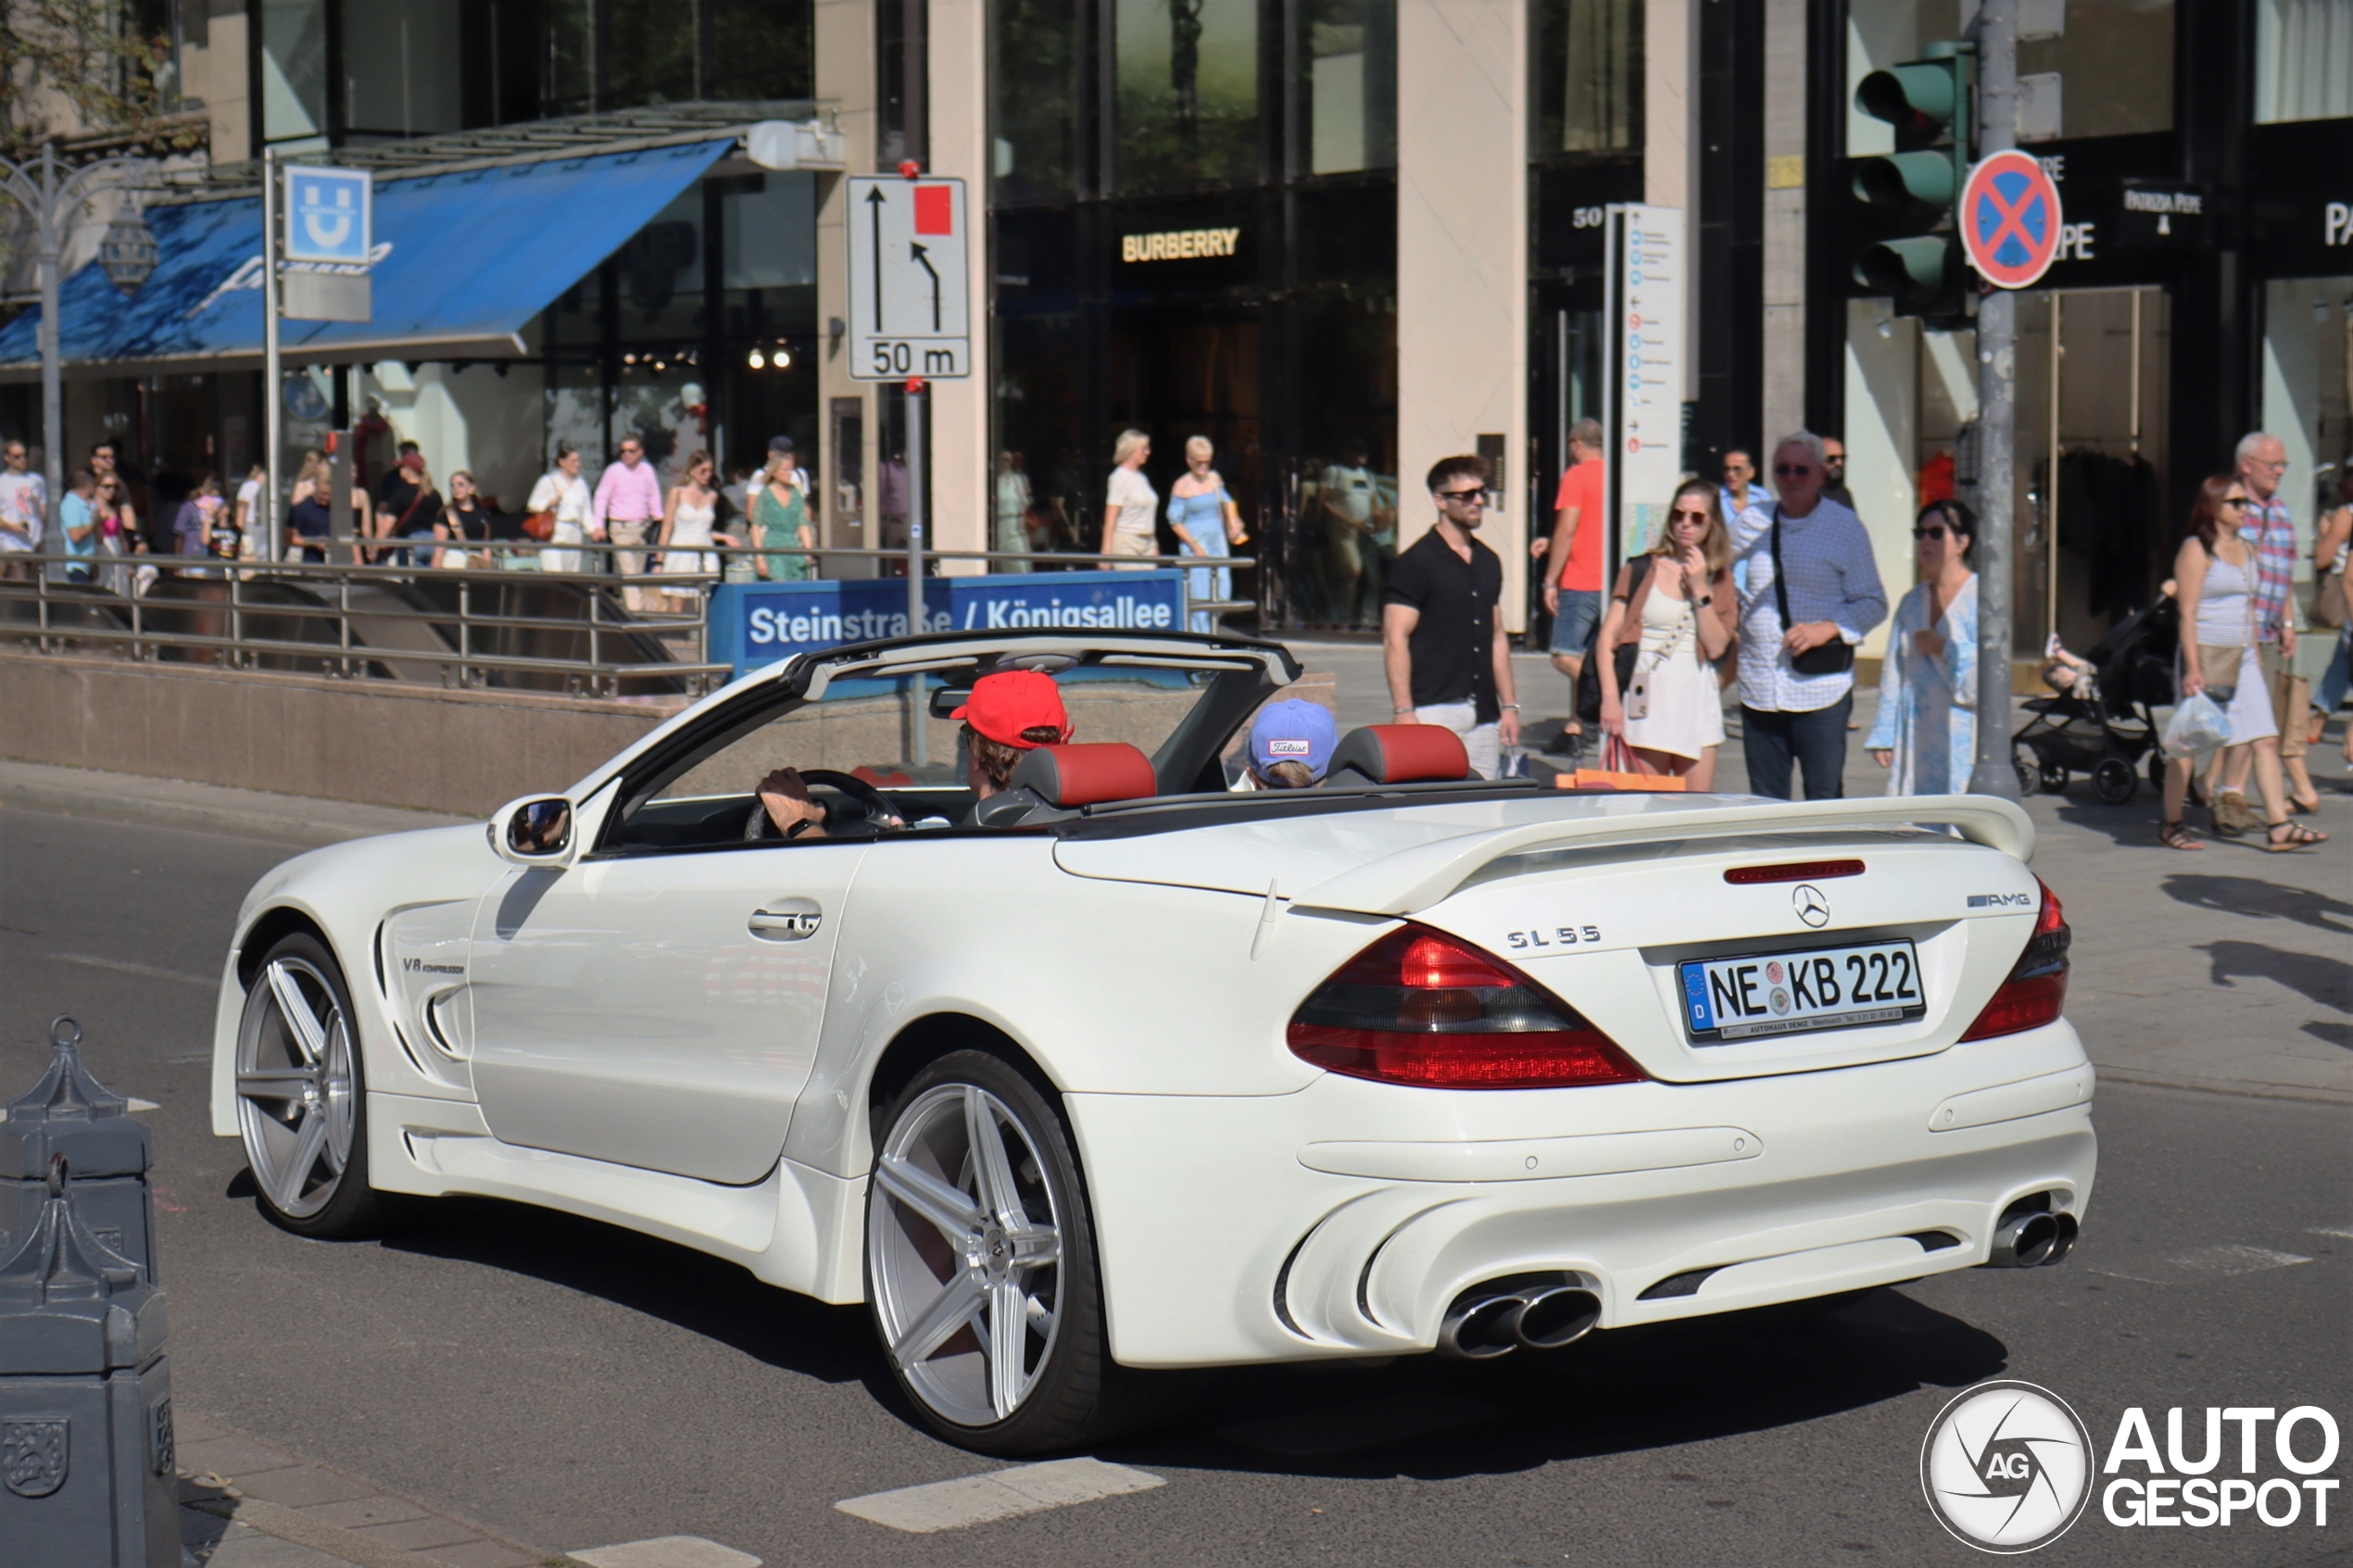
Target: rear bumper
(1342,1219)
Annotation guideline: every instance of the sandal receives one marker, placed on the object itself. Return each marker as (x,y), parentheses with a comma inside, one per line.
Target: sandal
(2298,837)
(2177,835)
(2304,808)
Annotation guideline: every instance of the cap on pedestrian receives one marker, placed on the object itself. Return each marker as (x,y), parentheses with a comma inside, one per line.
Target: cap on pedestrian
(1011,701)
(780,444)
(1293,731)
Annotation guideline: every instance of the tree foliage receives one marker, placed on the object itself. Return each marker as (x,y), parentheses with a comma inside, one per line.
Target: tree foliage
(75,69)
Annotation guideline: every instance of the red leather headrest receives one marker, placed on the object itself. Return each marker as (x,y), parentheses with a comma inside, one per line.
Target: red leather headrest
(1089,775)
(1403,753)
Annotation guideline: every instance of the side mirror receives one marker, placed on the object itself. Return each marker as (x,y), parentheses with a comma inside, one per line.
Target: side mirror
(536,830)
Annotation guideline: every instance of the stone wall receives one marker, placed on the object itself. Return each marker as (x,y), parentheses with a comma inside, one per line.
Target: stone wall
(378,742)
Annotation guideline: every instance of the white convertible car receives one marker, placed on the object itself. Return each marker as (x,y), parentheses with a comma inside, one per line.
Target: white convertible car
(1120,1070)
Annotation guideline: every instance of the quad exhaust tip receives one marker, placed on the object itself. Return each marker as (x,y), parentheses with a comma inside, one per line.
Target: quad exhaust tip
(2031,1235)
(1500,1316)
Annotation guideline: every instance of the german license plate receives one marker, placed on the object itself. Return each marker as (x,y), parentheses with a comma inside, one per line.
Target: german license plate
(1742,999)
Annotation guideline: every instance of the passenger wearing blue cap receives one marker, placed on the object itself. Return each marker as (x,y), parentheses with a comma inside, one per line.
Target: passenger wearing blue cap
(1290,745)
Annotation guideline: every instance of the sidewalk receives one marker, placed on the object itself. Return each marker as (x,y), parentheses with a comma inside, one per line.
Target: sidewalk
(248,813)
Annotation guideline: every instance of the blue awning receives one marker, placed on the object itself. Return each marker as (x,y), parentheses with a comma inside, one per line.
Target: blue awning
(462,262)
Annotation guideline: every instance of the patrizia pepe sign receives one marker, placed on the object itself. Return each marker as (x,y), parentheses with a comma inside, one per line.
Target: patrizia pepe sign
(757,623)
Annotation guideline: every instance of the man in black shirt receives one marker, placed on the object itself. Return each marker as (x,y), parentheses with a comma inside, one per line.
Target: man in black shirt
(1448,658)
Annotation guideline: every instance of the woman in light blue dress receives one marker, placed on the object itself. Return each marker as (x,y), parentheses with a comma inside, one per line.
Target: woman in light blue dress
(1926,736)
(1206,520)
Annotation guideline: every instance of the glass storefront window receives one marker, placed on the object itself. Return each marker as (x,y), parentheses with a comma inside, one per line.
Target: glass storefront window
(2112,68)
(1186,92)
(2302,48)
(652,53)
(1348,58)
(294,68)
(758,50)
(2114,65)
(1033,110)
(403,74)
(2308,393)
(1589,63)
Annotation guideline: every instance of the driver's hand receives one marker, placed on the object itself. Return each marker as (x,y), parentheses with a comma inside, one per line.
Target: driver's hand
(787,797)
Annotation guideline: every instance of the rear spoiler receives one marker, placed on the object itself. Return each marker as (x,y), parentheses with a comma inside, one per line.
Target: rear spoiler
(1415,879)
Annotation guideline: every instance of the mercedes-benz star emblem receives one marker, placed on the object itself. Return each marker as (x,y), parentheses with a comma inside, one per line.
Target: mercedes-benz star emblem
(1812,908)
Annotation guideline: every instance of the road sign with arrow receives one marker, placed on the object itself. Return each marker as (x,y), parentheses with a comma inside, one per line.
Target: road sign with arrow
(909,290)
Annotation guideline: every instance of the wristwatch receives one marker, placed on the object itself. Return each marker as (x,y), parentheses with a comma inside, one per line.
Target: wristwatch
(1705,600)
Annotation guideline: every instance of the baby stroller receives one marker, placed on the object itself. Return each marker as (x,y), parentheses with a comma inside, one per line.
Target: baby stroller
(2102,721)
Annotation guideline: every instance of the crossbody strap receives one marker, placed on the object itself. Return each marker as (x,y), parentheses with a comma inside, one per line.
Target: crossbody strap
(1781,584)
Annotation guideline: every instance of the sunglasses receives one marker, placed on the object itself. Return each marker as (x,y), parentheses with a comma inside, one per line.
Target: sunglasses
(1689,515)
(1928,531)
(1792,470)
(1468,497)
(2236,503)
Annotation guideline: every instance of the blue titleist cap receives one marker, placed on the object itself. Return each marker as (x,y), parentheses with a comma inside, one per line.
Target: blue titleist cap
(1293,731)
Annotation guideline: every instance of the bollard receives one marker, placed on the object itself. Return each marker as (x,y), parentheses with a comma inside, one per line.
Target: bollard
(86,1459)
(108,1150)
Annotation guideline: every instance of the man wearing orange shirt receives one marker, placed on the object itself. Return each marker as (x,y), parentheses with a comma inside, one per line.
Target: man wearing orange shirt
(1573,557)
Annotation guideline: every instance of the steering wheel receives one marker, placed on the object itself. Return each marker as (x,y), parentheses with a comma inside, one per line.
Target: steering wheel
(759,826)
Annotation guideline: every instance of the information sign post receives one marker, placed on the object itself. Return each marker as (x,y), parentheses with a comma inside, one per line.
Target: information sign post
(1642,391)
(910,320)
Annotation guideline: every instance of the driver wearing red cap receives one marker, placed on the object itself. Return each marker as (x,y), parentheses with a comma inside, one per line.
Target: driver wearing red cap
(1009,713)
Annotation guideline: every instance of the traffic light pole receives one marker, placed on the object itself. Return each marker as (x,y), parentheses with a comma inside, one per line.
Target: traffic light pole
(1994,772)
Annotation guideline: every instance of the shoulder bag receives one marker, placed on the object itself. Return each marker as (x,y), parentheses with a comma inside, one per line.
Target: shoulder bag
(1589,676)
(1830,658)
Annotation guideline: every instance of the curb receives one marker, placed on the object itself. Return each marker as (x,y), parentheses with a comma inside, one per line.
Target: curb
(2313,1096)
(248,813)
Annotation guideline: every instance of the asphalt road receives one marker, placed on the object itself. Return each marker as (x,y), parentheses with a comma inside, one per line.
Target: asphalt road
(570,1384)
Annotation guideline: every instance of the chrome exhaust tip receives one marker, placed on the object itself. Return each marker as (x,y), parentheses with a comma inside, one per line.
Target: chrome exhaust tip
(1557,1317)
(2063,1242)
(2026,1241)
(1478,1327)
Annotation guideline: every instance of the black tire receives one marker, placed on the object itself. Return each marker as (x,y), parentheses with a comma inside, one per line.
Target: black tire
(1079,1395)
(341,1206)
(2114,782)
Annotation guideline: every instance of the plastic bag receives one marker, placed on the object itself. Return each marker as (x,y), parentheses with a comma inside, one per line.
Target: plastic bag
(2197,725)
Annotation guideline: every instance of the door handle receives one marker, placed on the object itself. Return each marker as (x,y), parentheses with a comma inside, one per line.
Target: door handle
(791,920)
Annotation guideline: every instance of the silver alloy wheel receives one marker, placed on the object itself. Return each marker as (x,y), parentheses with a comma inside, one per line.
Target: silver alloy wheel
(963,1237)
(294,1103)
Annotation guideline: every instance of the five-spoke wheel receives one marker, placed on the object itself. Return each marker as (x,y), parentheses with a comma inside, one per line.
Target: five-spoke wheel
(300,1099)
(980,1268)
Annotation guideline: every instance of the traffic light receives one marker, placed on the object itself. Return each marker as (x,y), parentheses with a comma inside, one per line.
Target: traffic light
(1914,190)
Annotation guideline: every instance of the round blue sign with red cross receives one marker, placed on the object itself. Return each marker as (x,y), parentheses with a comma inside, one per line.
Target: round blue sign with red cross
(2010,219)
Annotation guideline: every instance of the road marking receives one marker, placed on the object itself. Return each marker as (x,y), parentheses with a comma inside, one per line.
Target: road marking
(149,969)
(2224,1260)
(666,1551)
(1000,1494)
(2344,1232)
(1345,1428)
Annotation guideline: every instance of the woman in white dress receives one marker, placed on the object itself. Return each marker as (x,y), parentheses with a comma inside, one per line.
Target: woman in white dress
(687,523)
(1677,606)
(563,493)
(1926,731)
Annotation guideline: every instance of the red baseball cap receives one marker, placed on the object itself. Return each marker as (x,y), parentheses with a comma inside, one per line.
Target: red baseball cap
(1005,704)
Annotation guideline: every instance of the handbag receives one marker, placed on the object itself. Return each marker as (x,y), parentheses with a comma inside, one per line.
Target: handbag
(2329,601)
(1832,657)
(539,525)
(1589,675)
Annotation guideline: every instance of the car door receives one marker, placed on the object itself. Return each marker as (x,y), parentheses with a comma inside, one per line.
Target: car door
(658,1011)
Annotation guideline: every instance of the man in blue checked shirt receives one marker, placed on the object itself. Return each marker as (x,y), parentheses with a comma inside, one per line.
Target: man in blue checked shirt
(1833,593)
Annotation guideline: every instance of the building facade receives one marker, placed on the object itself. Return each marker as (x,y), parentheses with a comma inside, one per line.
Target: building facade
(1338,239)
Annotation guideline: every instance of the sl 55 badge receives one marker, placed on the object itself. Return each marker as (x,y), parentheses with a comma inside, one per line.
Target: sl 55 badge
(1550,937)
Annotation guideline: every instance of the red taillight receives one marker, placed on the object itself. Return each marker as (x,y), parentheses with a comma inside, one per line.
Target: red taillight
(2036,992)
(1423,1008)
(1792,871)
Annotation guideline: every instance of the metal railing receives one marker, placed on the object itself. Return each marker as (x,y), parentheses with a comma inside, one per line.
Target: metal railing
(456,627)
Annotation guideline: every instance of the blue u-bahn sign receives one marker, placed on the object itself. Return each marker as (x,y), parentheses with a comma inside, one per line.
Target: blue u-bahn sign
(757,623)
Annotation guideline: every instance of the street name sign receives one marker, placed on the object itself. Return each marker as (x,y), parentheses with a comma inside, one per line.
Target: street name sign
(2010,219)
(910,290)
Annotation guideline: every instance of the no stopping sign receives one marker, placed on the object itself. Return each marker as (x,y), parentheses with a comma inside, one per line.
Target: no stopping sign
(2010,219)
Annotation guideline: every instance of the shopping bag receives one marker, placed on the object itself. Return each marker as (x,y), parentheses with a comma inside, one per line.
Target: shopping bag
(2199,724)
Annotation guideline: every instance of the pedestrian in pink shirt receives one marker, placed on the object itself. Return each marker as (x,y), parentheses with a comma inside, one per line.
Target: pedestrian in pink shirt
(628,510)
